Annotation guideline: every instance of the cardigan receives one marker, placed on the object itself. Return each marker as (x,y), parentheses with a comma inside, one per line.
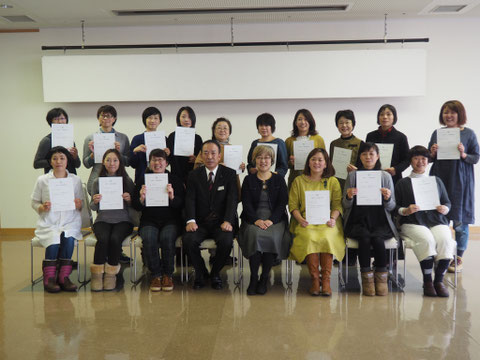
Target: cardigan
(41,162)
(277,198)
(281,162)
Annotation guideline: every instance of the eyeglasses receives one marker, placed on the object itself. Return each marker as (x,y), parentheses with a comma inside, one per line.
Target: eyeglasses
(262,158)
(106,116)
(222,128)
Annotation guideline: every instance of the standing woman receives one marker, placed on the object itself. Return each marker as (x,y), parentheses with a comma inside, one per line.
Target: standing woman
(317,243)
(57,230)
(303,130)
(107,118)
(151,117)
(387,134)
(182,165)
(264,235)
(54,116)
(457,175)
(266,127)
(370,225)
(111,227)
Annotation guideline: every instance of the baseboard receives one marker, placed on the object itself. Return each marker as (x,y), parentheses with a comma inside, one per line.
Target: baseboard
(17,232)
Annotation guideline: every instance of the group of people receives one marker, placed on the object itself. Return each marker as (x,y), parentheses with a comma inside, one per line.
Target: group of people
(203,196)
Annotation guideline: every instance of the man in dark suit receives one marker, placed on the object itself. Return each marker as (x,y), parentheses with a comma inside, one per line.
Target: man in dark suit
(211,208)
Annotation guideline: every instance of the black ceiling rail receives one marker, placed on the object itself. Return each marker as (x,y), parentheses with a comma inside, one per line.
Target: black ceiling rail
(239,44)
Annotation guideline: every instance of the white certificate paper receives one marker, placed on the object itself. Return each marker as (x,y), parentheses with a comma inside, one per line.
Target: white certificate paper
(448,140)
(111,189)
(369,184)
(154,140)
(232,157)
(61,194)
(425,192)
(341,159)
(317,207)
(156,185)
(62,135)
(275,148)
(101,143)
(184,141)
(386,152)
(301,149)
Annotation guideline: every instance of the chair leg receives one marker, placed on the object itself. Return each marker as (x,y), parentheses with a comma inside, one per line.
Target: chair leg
(181,264)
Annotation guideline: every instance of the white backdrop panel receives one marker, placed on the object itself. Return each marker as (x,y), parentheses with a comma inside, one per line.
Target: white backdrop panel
(234,76)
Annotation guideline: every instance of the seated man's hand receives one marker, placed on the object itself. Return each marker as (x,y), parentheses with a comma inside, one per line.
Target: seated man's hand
(191,227)
(226,226)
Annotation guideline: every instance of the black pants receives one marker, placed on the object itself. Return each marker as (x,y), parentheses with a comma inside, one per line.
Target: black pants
(223,240)
(109,241)
(379,253)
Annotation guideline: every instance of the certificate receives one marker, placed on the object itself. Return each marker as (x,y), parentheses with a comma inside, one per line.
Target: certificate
(369,184)
(275,148)
(111,189)
(301,149)
(156,185)
(386,152)
(154,140)
(425,192)
(61,194)
(448,140)
(62,135)
(184,141)
(232,157)
(341,159)
(101,143)
(317,207)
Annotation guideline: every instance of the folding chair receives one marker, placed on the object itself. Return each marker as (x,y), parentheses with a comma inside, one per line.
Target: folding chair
(209,244)
(390,245)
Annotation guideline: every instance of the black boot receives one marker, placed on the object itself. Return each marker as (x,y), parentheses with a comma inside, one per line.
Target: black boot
(262,284)
(252,287)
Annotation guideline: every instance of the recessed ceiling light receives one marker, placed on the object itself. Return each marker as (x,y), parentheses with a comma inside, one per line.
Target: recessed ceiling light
(5,6)
(448,8)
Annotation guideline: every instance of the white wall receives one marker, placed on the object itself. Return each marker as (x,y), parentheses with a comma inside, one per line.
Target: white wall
(452,73)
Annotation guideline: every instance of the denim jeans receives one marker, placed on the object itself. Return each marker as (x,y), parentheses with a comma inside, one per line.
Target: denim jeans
(461,235)
(64,250)
(154,239)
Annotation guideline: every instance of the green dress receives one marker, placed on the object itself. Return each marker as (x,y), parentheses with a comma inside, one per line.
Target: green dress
(315,238)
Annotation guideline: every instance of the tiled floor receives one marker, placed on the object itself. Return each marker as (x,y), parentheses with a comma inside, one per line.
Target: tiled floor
(207,324)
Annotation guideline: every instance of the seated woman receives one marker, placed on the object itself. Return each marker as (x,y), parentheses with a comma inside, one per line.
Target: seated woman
(160,225)
(263,236)
(151,118)
(55,116)
(317,243)
(57,230)
(266,127)
(427,229)
(370,225)
(111,227)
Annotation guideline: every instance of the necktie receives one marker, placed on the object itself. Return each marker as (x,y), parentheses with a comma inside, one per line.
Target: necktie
(210,181)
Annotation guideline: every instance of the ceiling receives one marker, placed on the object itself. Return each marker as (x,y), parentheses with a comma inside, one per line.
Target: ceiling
(70,13)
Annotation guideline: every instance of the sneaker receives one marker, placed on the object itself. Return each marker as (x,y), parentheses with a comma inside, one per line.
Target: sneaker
(124,259)
(156,284)
(451,268)
(167,283)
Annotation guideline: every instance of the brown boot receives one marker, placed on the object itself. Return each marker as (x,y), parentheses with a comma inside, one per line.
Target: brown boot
(97,277)
(381,285)
(368,286)
(326,261)
(110,278)
(50,276)
(63,275)
(313,262)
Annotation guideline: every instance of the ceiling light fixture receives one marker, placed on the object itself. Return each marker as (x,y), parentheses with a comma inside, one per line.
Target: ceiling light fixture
(6,6)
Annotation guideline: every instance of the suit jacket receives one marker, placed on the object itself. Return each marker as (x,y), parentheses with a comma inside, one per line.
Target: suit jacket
(221,200)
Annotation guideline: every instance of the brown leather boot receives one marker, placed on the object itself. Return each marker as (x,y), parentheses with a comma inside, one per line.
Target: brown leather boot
(326,261)
(381,285)
(368,286)
(313,262)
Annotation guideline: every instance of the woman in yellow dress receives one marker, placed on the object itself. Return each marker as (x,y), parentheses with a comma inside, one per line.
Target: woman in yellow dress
(317,243)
